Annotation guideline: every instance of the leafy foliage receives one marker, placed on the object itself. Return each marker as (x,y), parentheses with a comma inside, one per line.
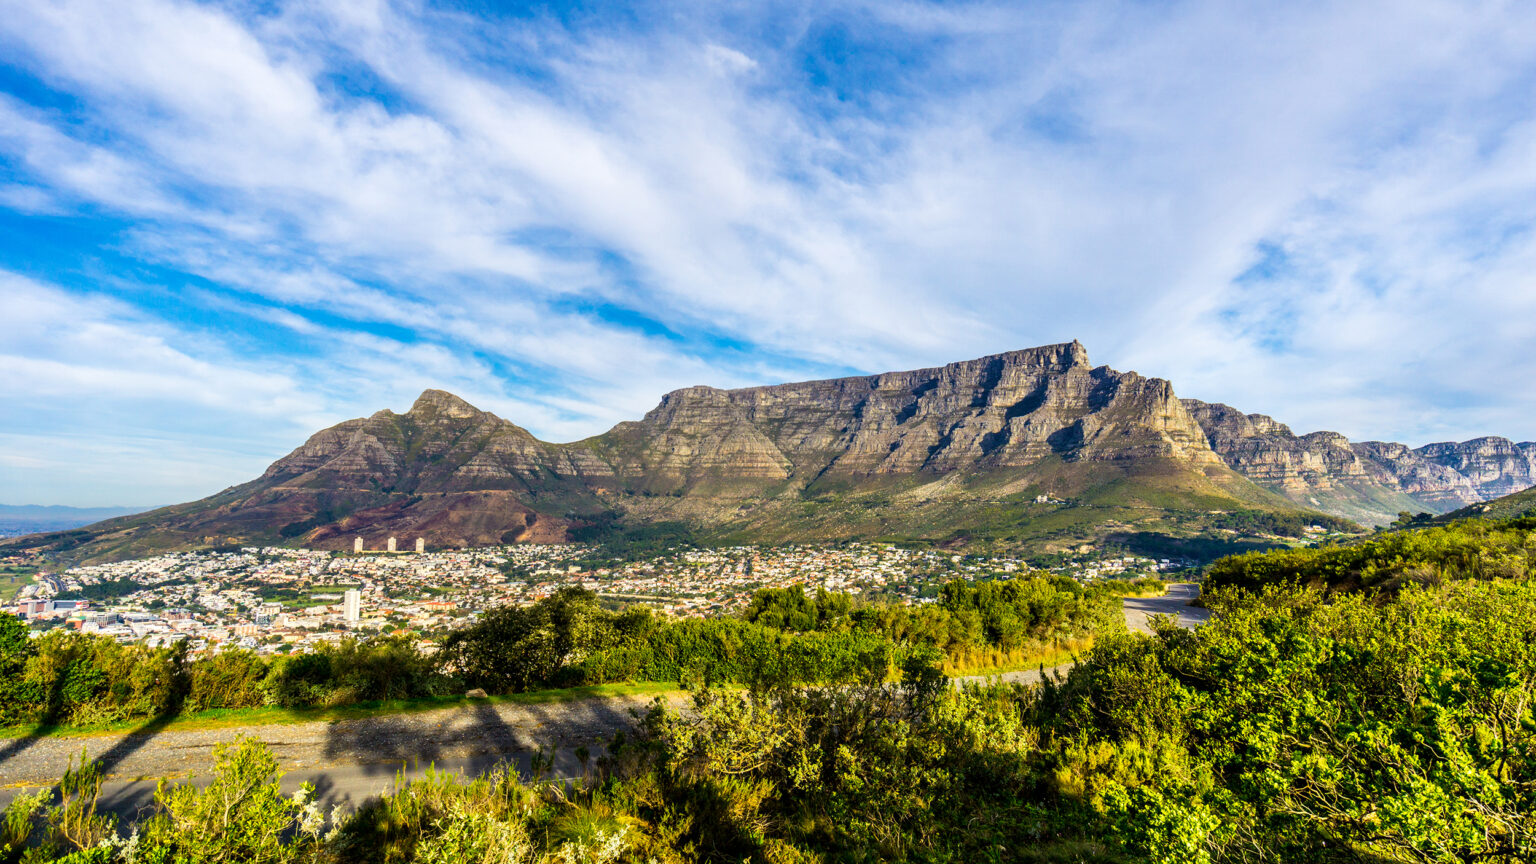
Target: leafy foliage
(1294,726)
(1283,524)
(1470,549)
(785,637)
(72,679)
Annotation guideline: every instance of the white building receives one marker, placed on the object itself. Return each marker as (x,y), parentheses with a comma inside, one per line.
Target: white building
(352,604)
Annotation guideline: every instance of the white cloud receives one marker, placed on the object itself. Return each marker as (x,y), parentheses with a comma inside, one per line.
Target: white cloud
(988,177)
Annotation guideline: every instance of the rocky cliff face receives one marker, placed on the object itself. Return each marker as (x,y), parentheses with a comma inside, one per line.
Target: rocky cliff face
(1266,451)
(945,438)
(1495,466)
(1430,484)
(1370,481)
(1008,410)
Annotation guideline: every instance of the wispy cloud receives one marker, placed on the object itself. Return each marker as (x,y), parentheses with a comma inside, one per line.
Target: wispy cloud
(294,214)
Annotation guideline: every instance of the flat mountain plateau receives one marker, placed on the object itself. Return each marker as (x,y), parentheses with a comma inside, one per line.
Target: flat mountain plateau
(1035,448)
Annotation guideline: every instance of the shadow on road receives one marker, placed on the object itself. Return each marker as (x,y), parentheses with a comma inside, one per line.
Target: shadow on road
(45,725)
(128,800)
(360,759)
(132,742)
(478,737)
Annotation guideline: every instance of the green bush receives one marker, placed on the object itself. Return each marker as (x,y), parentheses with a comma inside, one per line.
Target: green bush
(784,637)
(1469,549)
(1298,724)
(73,679)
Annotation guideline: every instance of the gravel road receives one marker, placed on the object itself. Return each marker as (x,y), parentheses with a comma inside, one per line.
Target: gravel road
(352,760)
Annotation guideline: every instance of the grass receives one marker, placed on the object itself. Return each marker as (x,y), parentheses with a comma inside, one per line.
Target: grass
(229,718)
(10,586)
(993,661)
(12,579)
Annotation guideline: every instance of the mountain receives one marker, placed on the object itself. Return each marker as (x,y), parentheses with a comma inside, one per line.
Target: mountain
(1512,506)
(18,519)
(950,454)
(1372,481)
(1036,448)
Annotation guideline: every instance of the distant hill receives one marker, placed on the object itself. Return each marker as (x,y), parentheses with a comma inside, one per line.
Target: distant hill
(17,519)
(1037,449)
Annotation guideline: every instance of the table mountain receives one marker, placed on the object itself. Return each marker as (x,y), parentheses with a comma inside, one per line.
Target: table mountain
(924,453)
(1036,446)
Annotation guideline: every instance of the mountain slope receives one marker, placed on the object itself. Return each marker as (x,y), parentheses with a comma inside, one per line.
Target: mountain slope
(1370,482)
(1522,503)
(943,453)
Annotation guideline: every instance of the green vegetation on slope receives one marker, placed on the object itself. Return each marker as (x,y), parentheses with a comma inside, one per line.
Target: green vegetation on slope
(1509,507)
(12,579)
(72,680)
(1141,504)
(1295,726)
(1467,549)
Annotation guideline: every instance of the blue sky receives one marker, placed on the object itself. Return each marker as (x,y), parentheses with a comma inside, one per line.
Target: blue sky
(223,226)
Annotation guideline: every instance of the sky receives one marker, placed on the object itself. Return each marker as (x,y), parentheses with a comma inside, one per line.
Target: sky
(224,226)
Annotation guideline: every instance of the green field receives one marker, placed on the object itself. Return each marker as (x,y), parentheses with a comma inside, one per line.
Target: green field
(13,579)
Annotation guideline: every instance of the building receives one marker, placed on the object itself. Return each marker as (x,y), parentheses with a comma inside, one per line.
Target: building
(421,545)
(392,544)
(357,545)
(352,604)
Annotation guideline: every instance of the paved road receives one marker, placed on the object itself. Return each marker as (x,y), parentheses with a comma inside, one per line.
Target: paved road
(1176,602)
(1138,613)
(351,761)
(347,761)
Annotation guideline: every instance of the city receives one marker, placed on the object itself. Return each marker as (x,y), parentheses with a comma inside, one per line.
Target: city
(277,600)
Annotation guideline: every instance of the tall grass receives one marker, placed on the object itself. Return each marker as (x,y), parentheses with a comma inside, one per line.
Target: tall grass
(987,660)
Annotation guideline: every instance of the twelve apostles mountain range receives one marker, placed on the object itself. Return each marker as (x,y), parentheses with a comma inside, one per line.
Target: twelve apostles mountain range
(1031,445)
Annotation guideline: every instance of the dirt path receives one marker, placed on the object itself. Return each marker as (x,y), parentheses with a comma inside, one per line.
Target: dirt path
(1176,602)
(352,760)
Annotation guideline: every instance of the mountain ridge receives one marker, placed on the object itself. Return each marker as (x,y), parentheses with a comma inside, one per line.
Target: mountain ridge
(928,453)
(1370,481)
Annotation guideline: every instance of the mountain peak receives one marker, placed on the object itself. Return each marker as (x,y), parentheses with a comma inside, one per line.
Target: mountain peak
(1065,355)
(443,403)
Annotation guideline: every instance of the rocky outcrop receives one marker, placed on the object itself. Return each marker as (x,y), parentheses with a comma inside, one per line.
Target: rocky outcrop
(1370,481)
(1008,410)
(1429,483)
(1266,451)
(1495,466)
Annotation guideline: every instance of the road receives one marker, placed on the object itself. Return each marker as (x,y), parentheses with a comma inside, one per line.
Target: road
(1176,602)
(351,761)
(1138,613)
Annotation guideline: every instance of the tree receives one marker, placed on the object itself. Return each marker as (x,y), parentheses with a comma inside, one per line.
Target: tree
(15,649)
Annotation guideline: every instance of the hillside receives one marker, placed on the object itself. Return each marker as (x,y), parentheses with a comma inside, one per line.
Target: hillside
(1028,447)
(1508,507)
